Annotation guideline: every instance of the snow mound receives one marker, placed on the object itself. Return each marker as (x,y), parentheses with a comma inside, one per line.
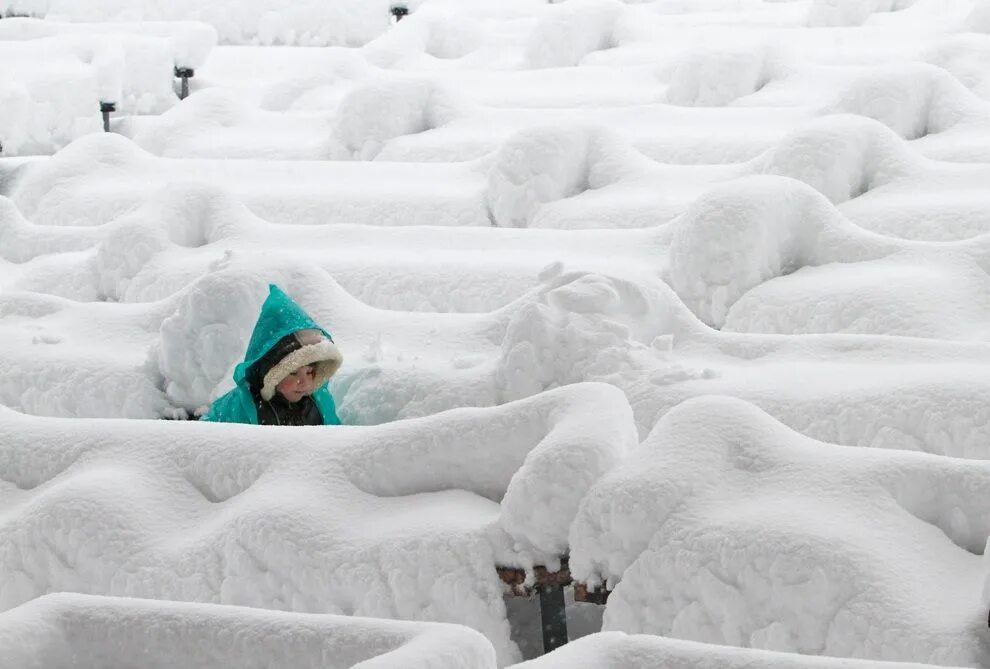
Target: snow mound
(49,95)
(435,32)
(903,294)
(913,99)
(68,630)
(406,520)
(616,650)
(715,77)
(727,527)
(372,114)
(841,157)
(582,326)
(546,164)
(745,232)
(566,33)
(829,13)
(89,155)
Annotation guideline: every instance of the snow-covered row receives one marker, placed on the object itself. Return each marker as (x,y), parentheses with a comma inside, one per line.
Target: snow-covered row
(181,231)
(189,42)
(727,527)
(68,630)
(65,630)
(406,520)
(616,650)
(137,360)
(696,118)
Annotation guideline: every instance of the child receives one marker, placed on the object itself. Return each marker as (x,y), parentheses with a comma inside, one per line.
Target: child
(283,378)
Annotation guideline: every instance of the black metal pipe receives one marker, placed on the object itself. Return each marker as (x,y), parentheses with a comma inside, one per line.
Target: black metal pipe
(106,108)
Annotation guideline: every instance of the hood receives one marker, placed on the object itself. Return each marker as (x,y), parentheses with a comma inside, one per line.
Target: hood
(280,317)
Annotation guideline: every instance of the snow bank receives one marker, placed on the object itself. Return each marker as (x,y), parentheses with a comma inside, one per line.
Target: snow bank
(905,294)
(823,13)
(913,100)
(431,32)
(305,23)
(564,34)
(70,630)
(842,157)
(544,165)
(406,520)
(151,50)
(49,96)
(748,231)
(727,527)
(372,114)
(102,176)
(616,650)
(583,326)
(715,77)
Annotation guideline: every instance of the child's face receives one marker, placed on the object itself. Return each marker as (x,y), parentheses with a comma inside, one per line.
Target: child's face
(298,384)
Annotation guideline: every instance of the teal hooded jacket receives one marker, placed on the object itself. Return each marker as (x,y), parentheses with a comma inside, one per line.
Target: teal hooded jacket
(280,316)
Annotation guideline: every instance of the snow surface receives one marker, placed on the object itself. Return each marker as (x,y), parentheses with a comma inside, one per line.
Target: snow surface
(754,234)
(72,630)
(404,520)
(727,527)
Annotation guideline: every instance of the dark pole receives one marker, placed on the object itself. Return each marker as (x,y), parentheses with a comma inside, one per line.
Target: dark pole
(184,74)
(105,109)
(398,12)
(553,616)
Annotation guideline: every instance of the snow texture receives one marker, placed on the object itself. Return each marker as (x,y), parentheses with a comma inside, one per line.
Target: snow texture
(70,630)
(406,520)
(727,527)
(754,234)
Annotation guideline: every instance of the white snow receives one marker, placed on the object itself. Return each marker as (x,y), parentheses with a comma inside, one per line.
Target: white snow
(727,527)
(66,630)
(753,235)
(405,520)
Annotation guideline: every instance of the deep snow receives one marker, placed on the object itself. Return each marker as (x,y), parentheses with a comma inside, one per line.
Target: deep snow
(760,229)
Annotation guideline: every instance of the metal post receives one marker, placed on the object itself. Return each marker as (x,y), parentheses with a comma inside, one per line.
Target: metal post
(553,616)
(184,74)
(105,109)
(398,12)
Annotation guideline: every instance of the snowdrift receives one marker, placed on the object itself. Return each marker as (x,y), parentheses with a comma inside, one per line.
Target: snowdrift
(727,527)
(404,521)
(68,630)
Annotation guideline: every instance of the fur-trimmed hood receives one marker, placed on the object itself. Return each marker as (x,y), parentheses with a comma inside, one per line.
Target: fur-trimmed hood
(285,338)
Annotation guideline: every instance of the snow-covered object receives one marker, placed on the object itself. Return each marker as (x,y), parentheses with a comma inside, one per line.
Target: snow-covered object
(406,520)
(544,165)
(49,96)
(190,42)
(566,33)
(727,527)
(616,650)
(371,115)
(850,12)
(267,22)
(66,630)
(134,69)
(113,171)
(905,294)
(712,77)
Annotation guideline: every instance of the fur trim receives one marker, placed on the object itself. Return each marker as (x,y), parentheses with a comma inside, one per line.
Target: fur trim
(325,355)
